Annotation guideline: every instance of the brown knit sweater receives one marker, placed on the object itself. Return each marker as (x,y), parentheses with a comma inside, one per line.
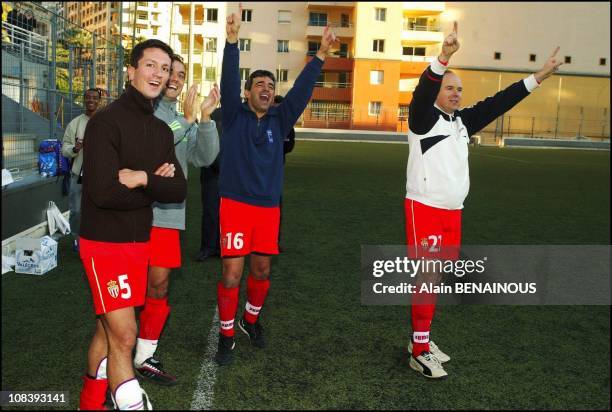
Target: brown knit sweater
(125,134)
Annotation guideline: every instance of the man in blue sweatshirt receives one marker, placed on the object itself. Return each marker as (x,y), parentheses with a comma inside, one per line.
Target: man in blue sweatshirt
(251,180)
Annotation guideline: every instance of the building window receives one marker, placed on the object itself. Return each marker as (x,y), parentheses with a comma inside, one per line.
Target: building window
(343,80)
(317,19)
(343,52)
(568,59)
(377,76)
(497,56)
(344,20)
(378,46)
(247,15)
(413,51)
(532,57)
(282,46)
(602,61)
(313,47)
(380,14)
(244,73)
(210,44)
(244,45)
(284,16)
(154,31)
(143,15)
(211,74)
(402,112)
(374,108)
(282,75)
(211,15)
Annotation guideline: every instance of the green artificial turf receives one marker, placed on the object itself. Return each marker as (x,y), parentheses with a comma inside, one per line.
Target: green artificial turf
(325,349)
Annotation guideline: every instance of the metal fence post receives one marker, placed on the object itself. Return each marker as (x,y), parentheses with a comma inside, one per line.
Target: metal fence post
(558,106)
(581,121)
(92,78)
(52,78)
(21,87)
(120,51)
(70,77)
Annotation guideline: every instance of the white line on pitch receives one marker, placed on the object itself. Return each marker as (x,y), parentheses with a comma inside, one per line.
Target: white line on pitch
(204,392)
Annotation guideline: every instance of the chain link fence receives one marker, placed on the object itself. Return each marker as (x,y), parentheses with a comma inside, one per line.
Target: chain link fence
(572,122)
(47,64)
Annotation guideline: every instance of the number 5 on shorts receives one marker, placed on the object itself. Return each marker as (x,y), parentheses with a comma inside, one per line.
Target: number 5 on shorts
(238,242)
(124,285)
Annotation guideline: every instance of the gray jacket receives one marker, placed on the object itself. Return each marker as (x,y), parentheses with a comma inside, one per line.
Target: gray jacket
(196,144)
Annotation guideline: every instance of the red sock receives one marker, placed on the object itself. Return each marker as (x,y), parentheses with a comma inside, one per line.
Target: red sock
(423,308)
(227,301)
(93,394)
(153,318)
(257,290)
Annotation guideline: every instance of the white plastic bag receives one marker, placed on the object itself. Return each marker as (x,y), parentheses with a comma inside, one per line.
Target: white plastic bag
(8,263)
(8,178)
(56,220)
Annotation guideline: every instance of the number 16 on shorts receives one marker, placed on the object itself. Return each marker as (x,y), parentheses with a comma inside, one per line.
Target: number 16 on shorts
(234,241)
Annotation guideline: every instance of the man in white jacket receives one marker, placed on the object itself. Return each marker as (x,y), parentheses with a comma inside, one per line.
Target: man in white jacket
(437,178)
(71,148)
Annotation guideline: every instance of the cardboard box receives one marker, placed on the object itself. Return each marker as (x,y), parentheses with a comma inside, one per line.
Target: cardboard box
(35,256)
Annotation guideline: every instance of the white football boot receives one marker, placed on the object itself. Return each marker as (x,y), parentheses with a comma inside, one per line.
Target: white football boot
(428,365)
(435,350)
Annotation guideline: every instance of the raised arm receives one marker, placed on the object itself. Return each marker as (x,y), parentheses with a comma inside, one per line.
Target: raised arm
(203,148)
(484,112)
(295,101)
(426,91)
(230,74)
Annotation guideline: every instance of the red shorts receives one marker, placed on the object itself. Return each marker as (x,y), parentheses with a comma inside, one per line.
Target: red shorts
(117,273)
(246,228)
(432,232)
(165,248)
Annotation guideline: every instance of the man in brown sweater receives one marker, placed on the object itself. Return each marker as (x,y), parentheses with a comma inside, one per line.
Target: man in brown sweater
(128,163)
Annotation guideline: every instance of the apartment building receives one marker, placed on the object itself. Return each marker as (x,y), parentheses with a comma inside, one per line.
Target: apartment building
(383,49)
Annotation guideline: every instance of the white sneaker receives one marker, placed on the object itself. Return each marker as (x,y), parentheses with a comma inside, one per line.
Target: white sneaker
(428,365)
(433,348)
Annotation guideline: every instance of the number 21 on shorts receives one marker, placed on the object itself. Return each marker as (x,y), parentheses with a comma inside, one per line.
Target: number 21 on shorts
(235,241)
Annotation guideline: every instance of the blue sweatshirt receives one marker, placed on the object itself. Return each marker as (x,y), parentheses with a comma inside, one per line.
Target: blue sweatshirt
(251,157)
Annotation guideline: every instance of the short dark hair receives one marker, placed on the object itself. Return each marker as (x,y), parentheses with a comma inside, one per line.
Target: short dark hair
(258,73)
(139,49)
(93,89)
(178,58)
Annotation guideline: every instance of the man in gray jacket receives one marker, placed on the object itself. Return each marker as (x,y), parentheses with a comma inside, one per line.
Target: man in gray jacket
(197,144)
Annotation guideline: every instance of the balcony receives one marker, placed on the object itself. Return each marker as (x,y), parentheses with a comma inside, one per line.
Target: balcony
(418,59)
(337,92)
(421,37)
(336,63)
(334,4)
(342,29)
(424,8)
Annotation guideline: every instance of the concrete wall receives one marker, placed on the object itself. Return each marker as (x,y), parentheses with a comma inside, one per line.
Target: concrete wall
(25,205)
(518,29)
